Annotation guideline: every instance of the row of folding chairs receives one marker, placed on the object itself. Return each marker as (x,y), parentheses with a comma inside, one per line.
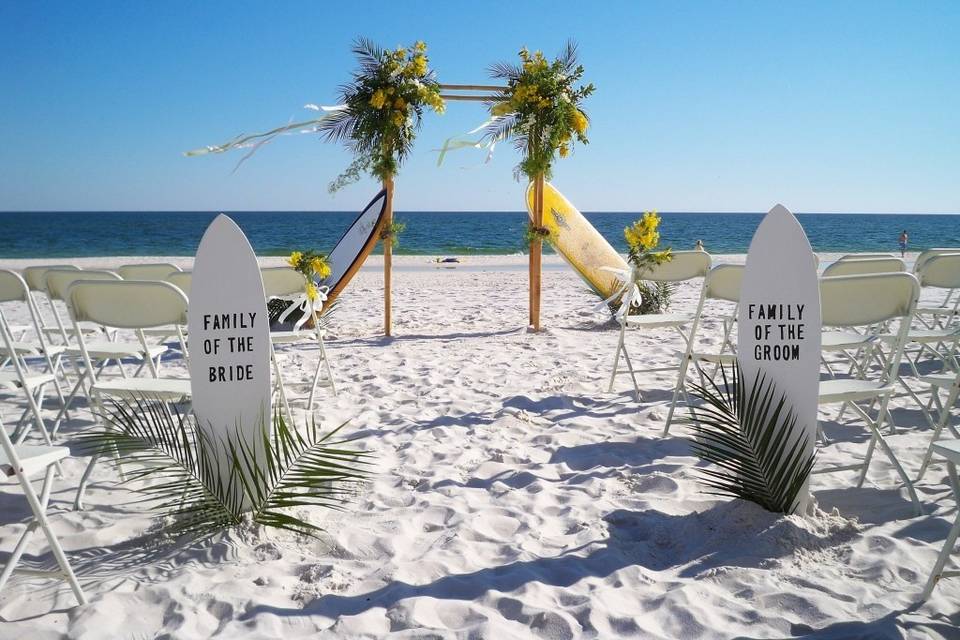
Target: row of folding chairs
(101,304)
(868,306)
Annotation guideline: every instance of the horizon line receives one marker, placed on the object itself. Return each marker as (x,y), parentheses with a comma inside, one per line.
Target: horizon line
(473,211)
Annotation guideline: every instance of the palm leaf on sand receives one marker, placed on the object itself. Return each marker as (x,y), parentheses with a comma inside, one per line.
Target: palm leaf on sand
(179,469)
(753,441)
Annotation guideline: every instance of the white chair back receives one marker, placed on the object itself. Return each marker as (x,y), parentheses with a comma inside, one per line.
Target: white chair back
(685,265)
(932,253)
(941,271)
(181,280)
(36,277)
(859,266)
(13,288)
(155,271)
(282,281)
(863,256)
(723,282)
(127,304)
(861,300)
(59,280)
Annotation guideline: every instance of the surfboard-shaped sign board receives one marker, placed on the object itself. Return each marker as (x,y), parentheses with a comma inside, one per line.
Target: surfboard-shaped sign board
(578,242)
(354,246)
(779,319)
(229,334)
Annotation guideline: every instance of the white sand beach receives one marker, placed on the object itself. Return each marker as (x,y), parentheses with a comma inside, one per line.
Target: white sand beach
(512,497)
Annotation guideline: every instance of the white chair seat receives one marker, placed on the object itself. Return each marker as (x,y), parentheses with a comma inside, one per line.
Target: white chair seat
(721,358)
(34,349)
(837,340)
(12,381)
(285,337)
(941,380)
(923,336)
(652,320)
(938,311)
(33,459)
(164,388)
(851,390)
(102,349)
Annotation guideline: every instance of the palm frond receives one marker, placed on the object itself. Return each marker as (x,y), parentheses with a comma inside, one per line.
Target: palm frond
(751,436)
(369,56)
(204,486)
(568,57)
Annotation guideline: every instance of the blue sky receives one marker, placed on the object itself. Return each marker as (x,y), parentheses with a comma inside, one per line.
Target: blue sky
(719,106)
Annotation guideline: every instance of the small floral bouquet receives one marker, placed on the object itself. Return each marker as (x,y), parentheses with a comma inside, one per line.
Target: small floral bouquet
(313,265)
(643,238)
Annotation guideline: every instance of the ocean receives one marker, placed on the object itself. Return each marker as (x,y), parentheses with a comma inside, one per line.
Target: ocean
(93,234)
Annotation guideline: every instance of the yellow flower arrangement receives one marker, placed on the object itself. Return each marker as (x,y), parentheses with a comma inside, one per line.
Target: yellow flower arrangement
(385,103)
(313,265)
(540,108)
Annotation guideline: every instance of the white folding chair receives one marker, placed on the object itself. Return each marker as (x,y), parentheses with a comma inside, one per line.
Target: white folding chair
(23,462)
(722,283)
(127,305)
(685,265)
(859,266)
(36,279)
(848,302)
(14,289)
(950,451)
(22,378)
(950,382)
(944,305)
(147,271)
(103,348)
(939,271)
(287,283)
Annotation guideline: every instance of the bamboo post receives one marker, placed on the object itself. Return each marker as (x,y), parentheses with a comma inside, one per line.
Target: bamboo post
(536,254)
(388,259)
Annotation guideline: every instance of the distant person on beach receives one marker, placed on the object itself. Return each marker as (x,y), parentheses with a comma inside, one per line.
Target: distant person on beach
(699,246)
(904,239)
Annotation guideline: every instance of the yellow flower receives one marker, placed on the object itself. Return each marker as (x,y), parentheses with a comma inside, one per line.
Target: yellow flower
(564,151)
(399,104)
(501,108)
(311,291)
(295,258)
(398,118)
(651,219)
(378,99)
(420,46)
(320,267)
(579,121)
(418,66)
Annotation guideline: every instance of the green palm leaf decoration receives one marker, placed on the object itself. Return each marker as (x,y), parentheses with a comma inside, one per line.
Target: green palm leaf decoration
(753,440)
(177,468)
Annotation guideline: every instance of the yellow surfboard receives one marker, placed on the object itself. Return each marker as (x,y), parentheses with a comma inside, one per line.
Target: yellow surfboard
(578,242)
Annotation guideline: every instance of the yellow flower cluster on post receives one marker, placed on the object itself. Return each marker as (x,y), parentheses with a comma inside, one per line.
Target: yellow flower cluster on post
(385,104)
(541,104)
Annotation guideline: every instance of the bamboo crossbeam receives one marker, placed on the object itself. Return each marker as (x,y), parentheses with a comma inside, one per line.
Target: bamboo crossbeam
(471,87)
(470,98)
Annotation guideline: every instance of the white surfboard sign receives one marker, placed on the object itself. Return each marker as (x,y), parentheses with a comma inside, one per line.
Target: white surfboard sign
(779,319)
(229,336)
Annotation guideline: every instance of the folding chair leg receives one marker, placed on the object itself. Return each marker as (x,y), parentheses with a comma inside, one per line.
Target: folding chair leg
(945,552)
(681,381)
(875,427)
(283,393)
(39,507)
(944,417)
(84,481)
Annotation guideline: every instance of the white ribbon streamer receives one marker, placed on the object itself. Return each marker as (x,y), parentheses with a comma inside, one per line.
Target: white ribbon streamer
(257,140)
(463,142)
(302,302)
(629,292)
